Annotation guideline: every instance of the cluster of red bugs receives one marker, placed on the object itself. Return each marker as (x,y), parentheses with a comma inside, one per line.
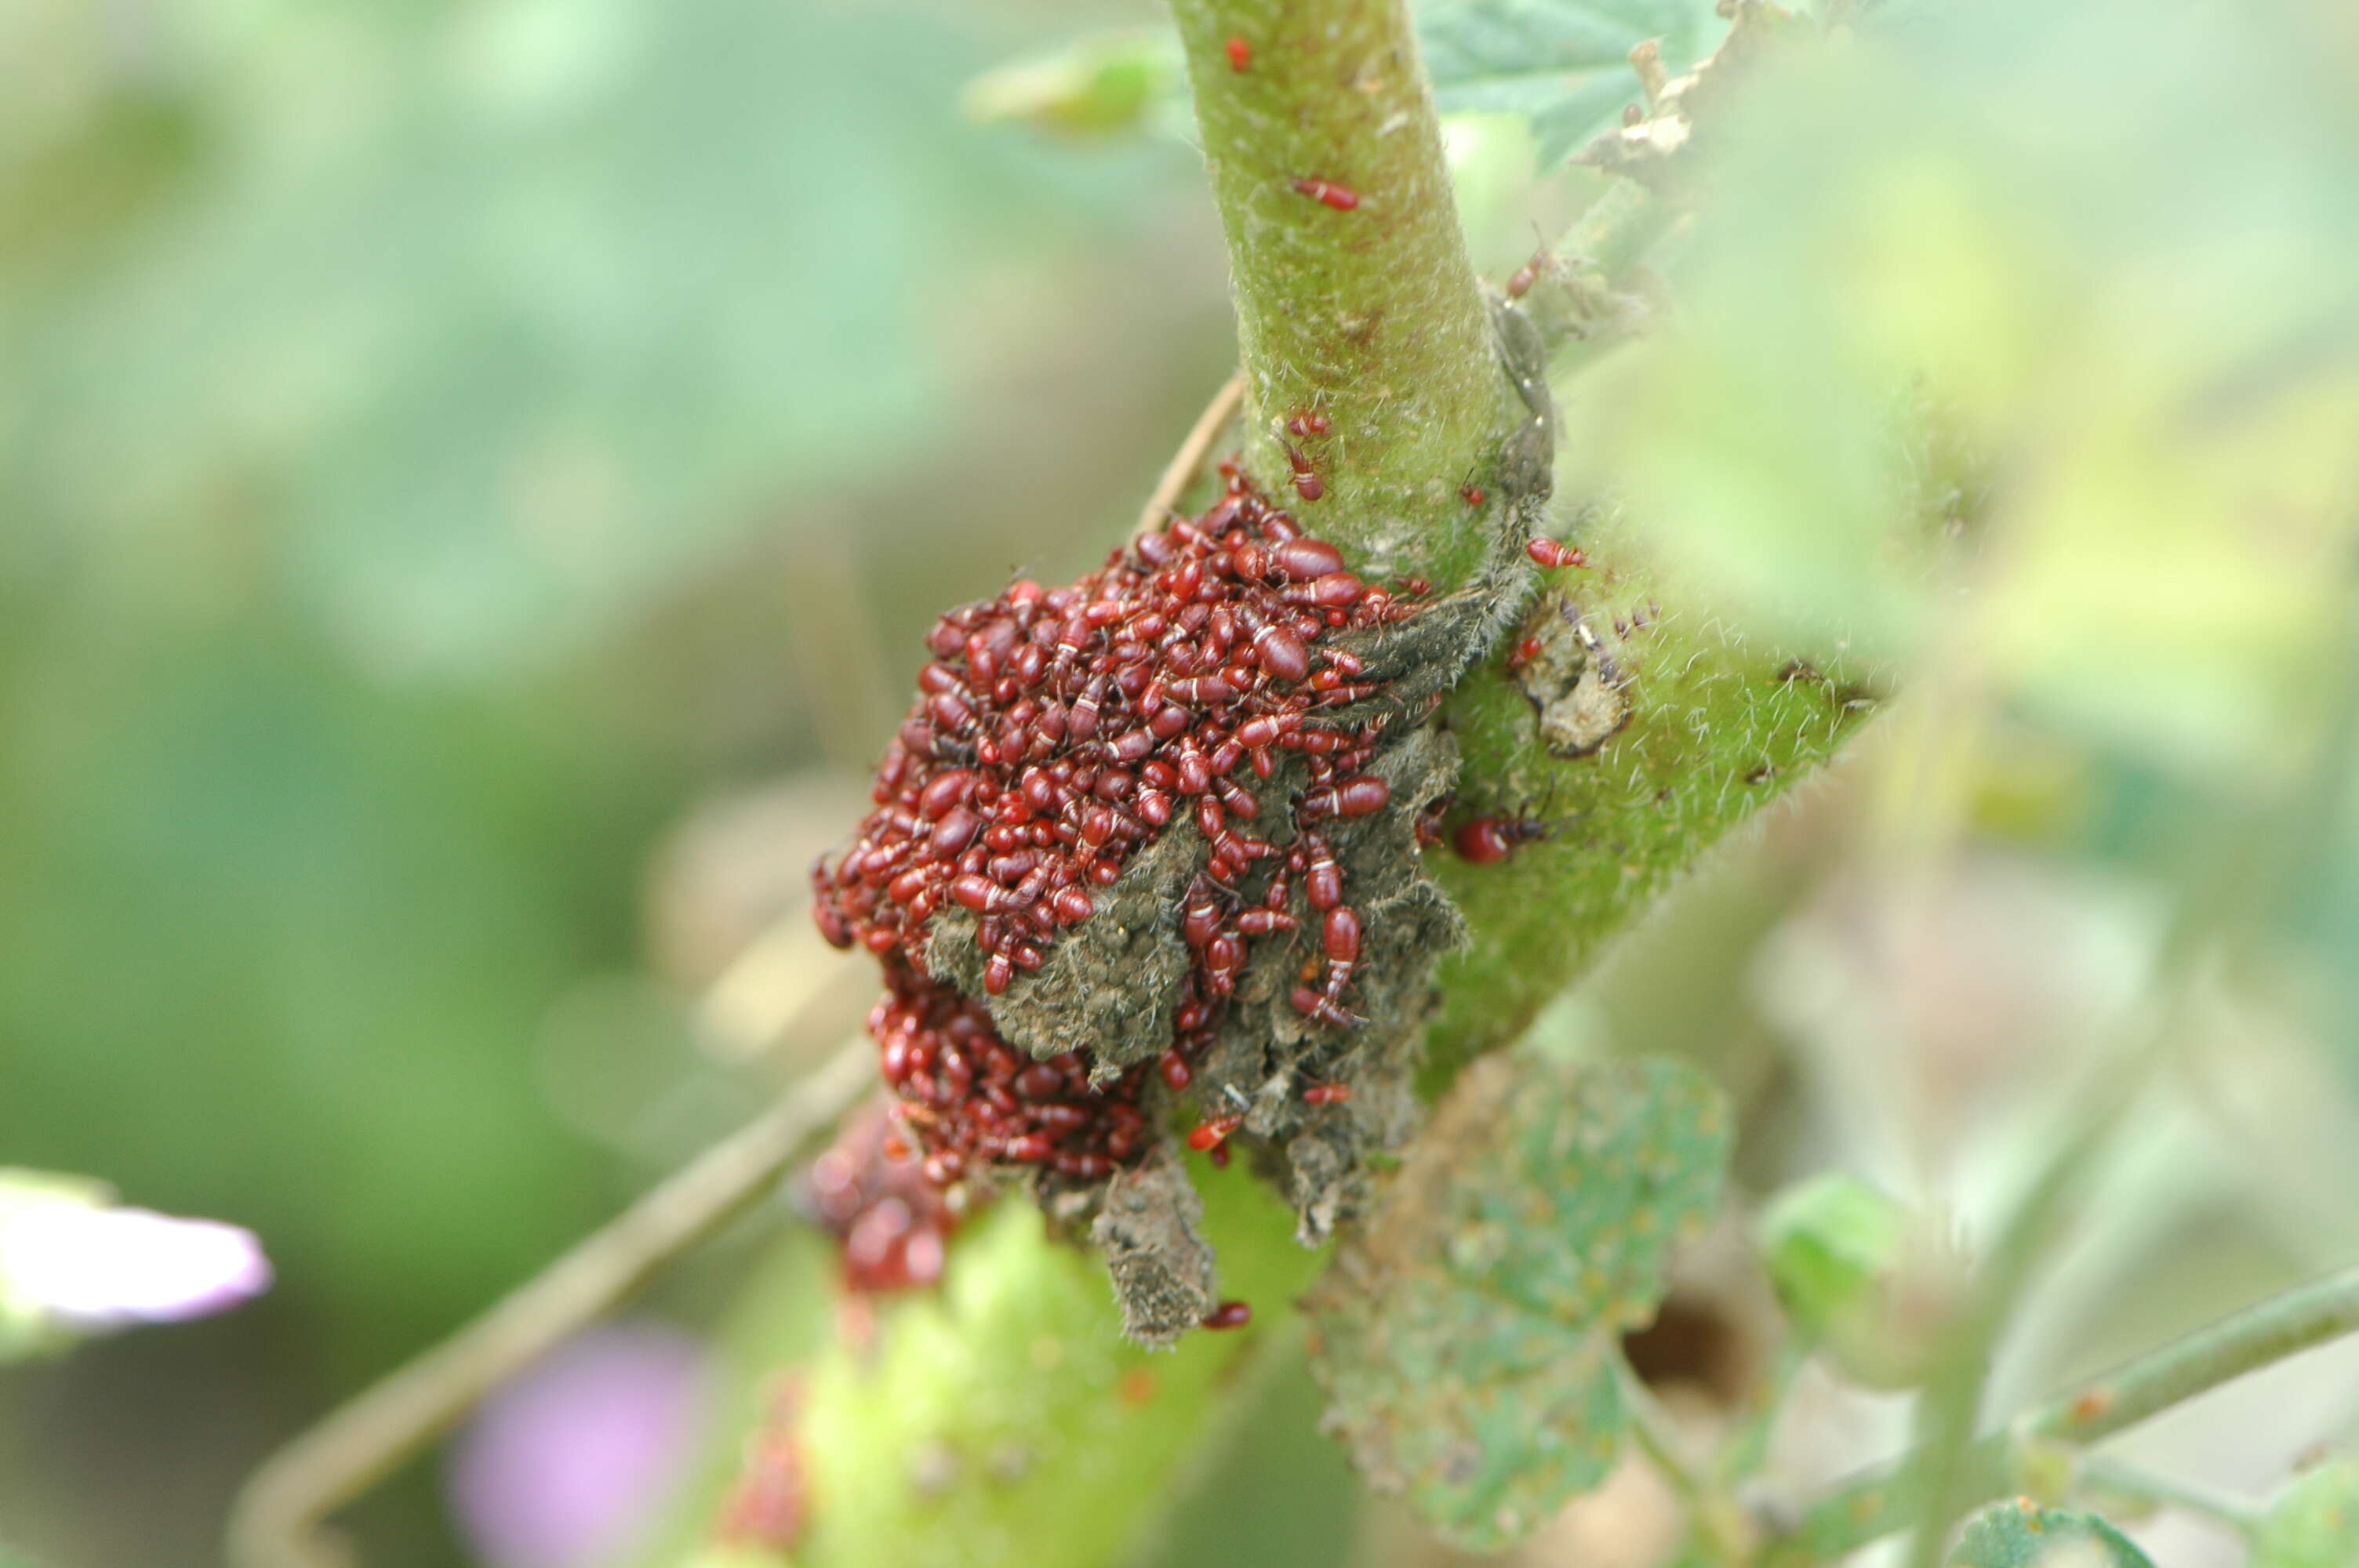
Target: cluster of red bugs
(888,1217)
(970,1098)
(1058,731)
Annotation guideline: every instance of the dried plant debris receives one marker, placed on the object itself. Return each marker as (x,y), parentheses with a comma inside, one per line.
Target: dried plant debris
(1467,1333)
(1579,691)
(1147,1226)
(1657,148)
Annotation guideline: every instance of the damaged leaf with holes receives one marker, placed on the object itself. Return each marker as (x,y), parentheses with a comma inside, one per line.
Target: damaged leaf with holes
(1468,1336)
(1561,64)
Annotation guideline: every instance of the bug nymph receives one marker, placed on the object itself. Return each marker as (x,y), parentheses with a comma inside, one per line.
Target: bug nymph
(1528,274)
(1488,841)
(1342,198)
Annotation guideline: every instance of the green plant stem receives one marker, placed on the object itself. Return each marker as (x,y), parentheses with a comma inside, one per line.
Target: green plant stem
(1953,1400)
(1748,1445)
(1372,316)
(1891,1497)
(1650,1429)
(277,1521)
(2106,1474)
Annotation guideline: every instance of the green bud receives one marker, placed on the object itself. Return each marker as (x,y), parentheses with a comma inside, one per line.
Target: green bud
(2314,1522)
(1876,1284)
(2044,1470)
(1827,1241)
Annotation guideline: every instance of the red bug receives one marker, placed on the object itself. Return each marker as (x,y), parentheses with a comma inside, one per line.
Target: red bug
(1229,1314)
(1240,54)
(1555,553)
(1213,1132)
(1342,198)
(1308,424)
(1528,274)
(1488,841)
(1472,494)
(1326,1094)
(1524,654)
(1307,482)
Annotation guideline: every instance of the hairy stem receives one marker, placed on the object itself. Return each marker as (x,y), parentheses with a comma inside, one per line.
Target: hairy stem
(1362,308)
(1893,1497)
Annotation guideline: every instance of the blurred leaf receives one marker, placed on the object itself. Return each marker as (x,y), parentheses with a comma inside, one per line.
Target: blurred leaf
(1469,1332)
(2019,1534)
(491,322)
(1825,1242)
(1093,86)
(1975,381)
(1564,65)
(2314,1522)
(1878,1284)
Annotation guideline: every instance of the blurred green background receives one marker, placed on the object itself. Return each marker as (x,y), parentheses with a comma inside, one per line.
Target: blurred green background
(472,477)
(441,445)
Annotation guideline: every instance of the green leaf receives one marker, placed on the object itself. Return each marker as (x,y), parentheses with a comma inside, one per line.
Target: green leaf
(1467,1335)
(2019,1534)
(1563,64)
(2314,1523)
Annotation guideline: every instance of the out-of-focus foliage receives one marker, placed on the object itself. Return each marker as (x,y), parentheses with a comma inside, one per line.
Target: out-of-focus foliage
(1563,65)
(2110,354)
(1872,1284)
(2314,1522)
(1106,83)
(1468,1339)
(2021,1535)
(1825,1242)
(1027,1405)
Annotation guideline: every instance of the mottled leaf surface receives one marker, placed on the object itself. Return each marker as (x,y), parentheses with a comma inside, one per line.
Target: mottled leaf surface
(1467,1336)
(2020,1534)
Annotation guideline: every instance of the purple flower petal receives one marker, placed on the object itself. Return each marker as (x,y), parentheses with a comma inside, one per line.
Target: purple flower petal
(569,1462)
(109,1268)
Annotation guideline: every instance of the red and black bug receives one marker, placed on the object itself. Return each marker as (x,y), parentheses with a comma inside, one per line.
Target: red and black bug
(1488,841)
